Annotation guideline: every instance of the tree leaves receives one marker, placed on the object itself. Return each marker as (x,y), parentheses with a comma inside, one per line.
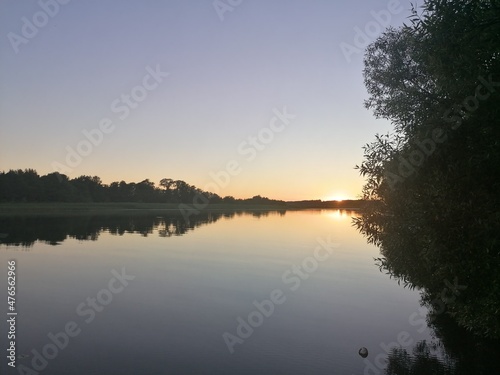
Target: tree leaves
(435,216)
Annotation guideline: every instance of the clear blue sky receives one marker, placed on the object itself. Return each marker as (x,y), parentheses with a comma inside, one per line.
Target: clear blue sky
(226,76)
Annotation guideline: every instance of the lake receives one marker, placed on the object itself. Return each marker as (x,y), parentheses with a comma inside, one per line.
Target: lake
(290,292)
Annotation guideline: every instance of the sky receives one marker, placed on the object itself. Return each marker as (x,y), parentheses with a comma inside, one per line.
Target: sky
(238,97)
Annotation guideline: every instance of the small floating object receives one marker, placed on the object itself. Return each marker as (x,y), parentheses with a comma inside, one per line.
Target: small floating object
(363,352)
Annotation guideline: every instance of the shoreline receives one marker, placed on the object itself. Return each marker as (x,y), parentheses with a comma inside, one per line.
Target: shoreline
(65,209)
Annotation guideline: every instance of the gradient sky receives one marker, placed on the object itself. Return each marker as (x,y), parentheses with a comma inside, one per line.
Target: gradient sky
(226,78)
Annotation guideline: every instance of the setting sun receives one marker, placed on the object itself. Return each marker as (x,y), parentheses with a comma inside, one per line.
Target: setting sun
(336,197)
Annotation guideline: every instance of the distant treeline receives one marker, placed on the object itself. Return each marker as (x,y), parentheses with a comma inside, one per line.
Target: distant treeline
(28,186)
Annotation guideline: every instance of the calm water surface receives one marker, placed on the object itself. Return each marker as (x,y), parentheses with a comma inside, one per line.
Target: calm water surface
(191,289)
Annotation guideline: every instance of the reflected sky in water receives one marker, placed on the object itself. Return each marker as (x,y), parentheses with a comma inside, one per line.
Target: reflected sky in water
(190,289)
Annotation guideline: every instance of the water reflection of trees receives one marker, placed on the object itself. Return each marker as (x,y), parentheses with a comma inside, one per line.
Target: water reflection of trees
(425,358)
(25,231)
(456,272)
(453,351)
(459,287)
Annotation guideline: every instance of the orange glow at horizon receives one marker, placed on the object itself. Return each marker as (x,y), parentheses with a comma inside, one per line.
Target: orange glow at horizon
(339,197)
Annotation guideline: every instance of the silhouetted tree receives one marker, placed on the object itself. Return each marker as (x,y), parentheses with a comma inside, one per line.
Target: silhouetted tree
(434,182)
(89,189)
(28,186)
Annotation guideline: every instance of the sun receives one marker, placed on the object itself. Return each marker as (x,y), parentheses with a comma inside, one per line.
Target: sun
(336,197)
